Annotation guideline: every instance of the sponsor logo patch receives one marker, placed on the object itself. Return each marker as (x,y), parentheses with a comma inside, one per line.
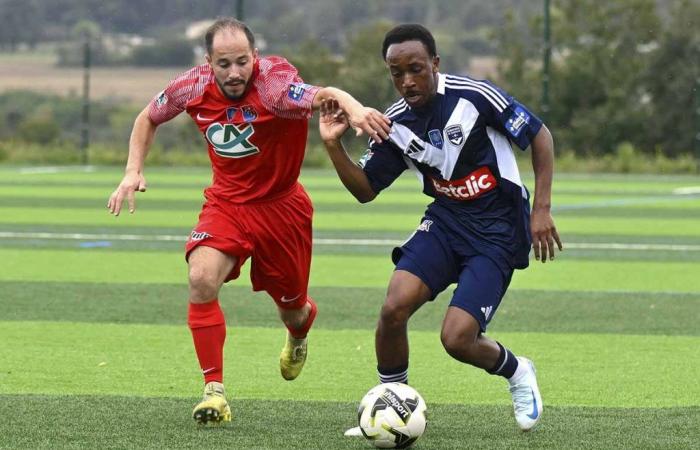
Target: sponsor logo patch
(161,99)
(455,134)
(199,235)
(296,91)
(470,187)
(365,158)
(517,121)
(435,137)
(230,141)
(425,225)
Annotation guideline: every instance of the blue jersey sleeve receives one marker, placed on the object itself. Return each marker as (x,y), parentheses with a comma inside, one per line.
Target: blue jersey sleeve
(514,120)
(382,163)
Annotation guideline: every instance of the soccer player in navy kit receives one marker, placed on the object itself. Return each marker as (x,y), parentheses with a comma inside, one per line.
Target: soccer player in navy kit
(455,133)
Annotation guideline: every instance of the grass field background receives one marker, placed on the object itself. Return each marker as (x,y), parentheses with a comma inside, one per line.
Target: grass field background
(95,351)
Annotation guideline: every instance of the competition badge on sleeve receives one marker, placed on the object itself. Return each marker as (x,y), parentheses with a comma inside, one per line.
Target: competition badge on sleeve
(517,121)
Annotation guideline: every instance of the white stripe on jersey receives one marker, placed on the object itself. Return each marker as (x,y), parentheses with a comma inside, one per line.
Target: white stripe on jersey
(483,84)
(396,108)
(416,148)
(465,115)
(491,100)
(505,158)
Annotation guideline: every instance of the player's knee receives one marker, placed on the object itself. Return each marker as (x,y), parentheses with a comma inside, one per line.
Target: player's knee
(394,314)
(202,282)
(459,345)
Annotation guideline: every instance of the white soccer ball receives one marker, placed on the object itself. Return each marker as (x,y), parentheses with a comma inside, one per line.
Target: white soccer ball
(392,415)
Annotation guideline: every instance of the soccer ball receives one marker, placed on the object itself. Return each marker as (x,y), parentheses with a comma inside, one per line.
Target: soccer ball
(392,415)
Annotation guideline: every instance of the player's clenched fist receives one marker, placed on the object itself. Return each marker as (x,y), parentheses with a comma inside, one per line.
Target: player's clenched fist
(131,183)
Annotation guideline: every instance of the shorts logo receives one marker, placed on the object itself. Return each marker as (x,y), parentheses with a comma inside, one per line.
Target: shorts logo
(487,311)
(517,121)
(425,225)
(435,138)
(199,235)
(230,141)
(470,187)
(296,91)
(455,134)
(249,113)
(284,299)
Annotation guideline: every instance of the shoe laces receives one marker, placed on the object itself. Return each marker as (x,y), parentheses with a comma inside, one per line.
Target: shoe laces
(522,397)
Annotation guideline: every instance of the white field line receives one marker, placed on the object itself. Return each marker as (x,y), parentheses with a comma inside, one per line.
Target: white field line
(55,169)
(326,241)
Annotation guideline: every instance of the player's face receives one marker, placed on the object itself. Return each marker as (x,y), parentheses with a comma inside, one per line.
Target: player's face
(413,71)
(232,61)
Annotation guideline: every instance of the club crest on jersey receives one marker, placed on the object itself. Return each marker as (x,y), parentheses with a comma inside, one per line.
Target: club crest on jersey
(231,113)
(296,91)
(455,134)
(230,141)
(249,113)
(517,121)
(435,138)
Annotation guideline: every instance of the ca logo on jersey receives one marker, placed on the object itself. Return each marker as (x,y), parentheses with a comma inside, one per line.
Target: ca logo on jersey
(230,141)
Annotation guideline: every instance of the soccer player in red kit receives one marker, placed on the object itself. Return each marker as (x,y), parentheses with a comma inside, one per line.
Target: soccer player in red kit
(253,112)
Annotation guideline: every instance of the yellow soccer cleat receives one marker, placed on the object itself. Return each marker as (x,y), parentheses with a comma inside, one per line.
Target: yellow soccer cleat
(213,409)
(293,357)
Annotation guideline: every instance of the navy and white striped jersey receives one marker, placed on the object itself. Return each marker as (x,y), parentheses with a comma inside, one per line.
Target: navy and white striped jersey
(459,145)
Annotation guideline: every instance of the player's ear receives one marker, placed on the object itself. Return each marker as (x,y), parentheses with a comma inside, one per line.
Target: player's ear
(207,58)
(255,54)
(436,63)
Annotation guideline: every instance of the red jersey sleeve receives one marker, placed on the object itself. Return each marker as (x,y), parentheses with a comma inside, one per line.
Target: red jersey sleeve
(180,91)
(282,91)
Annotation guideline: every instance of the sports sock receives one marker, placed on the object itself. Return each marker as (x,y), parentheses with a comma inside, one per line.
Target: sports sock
(208,326)
(506,364)
(395,375)
(300,333)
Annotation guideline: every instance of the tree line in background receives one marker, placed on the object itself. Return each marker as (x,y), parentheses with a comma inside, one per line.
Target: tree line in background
(623,79)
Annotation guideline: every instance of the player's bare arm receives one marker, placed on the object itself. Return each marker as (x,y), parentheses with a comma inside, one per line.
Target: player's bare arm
(361,118)
(332,125)
(140,142)
(544,233)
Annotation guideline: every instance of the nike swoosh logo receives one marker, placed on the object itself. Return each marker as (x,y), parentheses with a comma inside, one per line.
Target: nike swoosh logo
(534,413)
(287,300)
(206,371)
(204,119)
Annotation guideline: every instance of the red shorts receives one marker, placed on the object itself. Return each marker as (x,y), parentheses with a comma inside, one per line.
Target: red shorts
(275,234)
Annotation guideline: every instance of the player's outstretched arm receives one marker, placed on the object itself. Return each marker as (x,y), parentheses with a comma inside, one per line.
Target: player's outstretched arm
(140,142)
(544,233)
(332,125)
(362,119)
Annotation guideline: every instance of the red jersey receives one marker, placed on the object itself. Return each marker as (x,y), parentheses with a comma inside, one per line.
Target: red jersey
(256,143)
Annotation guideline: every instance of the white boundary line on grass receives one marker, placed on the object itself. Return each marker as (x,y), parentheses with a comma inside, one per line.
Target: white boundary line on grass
(330,241)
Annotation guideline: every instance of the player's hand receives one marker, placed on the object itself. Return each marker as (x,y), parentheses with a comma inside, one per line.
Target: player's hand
(544,234)
(333,122)
(370,121)
(131,183)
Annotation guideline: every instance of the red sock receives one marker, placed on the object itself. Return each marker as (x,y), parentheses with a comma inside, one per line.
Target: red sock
(300,333)
(208,326)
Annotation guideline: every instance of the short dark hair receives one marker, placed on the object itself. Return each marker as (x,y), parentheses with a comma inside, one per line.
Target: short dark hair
(223,23)
(409,32)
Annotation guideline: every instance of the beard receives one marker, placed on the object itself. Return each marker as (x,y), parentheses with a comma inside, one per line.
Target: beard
(229,96)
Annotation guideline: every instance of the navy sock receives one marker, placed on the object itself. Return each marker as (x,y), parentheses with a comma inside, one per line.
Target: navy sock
(394,375)
(506,364)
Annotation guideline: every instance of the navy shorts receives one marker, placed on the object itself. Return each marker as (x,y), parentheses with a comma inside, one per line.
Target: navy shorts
(439,259)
